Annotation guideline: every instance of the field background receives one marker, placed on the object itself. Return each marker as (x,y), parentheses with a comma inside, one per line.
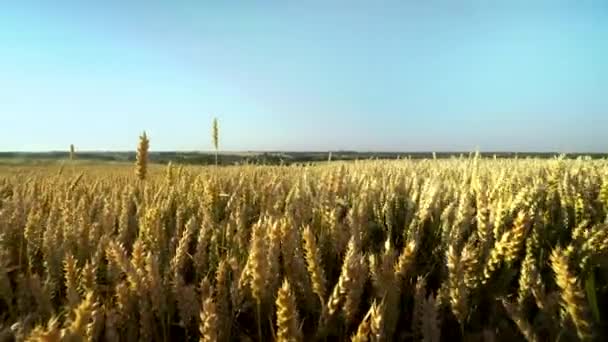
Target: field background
(274,158)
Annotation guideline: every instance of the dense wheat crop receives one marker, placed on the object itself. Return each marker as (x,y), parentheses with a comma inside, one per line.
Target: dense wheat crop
(461,249)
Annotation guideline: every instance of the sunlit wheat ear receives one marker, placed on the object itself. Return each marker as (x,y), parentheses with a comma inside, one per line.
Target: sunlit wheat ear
(154,282)
(71,280)
(117,255)
(315,266)
(209,321)
(95,326)
(287,315)
(257,264)
(508,247)
(87,278)
(484,226)
(572,296)
(500,213)
(405,263)
(50,333)
(595,245)
(222,299)
(123,303)
(215,137)
(355,292)
(345,281)
(364,330)
(603,195)
(273,252)
(141,163)
(294,264)
(458,294)
(181,256)
(529,273)
(76,328)
(377,321)
(471,265)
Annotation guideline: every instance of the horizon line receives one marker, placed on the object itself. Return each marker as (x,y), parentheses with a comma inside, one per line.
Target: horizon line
(305,151)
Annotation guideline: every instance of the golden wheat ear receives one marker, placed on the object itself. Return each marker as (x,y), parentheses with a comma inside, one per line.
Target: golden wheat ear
(209,321)
(573,301)
(314,263)
(215,138)
(141,162)
(287,315)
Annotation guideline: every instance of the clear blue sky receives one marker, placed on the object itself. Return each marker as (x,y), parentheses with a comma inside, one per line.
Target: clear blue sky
(305,75)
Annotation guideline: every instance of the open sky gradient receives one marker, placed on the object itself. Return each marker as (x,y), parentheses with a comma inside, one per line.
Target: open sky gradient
(305,75)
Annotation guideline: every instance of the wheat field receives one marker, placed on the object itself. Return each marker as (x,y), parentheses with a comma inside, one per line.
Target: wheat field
(464,249)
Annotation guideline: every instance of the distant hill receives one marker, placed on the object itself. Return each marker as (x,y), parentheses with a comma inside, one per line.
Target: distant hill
(274,157)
